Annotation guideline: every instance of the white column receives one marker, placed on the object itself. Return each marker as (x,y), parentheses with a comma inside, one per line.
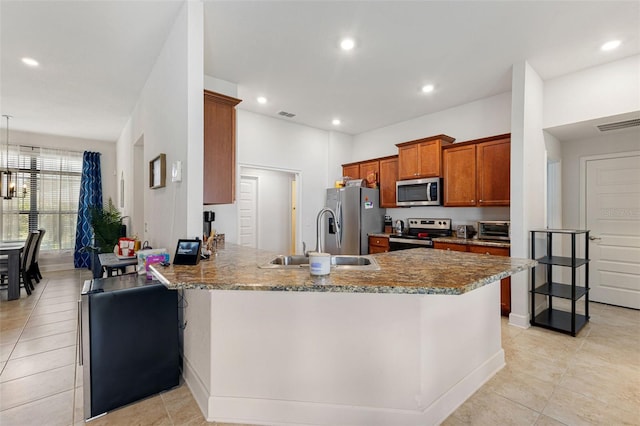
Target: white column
(528,171)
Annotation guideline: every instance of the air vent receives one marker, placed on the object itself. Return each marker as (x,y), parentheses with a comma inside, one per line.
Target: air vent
(619,125)
(286,114)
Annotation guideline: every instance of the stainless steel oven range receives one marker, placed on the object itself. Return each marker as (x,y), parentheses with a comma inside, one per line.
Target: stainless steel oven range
(419,233)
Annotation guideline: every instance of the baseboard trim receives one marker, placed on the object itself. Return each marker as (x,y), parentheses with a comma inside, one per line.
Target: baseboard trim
(196,386)
(521,321)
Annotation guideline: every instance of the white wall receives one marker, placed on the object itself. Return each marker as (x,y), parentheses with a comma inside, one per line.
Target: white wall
(479,119)
(602,91)
(572,151)
(168,115)
(273,208)
(340,152)
(528,178)
(274,143)
(271,142)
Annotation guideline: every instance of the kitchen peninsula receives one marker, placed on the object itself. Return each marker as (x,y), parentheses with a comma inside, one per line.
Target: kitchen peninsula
(402,345)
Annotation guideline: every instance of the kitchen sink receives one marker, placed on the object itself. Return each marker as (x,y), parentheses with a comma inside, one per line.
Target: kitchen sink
(338,262)
(295,260)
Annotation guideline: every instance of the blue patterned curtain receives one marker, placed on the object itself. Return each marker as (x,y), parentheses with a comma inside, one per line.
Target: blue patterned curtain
(90,196)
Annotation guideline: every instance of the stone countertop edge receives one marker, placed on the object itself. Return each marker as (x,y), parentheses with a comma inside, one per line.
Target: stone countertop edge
(472,242)
(431,272)
(453,240)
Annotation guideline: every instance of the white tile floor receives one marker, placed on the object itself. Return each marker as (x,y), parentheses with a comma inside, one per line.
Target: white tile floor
(550,378)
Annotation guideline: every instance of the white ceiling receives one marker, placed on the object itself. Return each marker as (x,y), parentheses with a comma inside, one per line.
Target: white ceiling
(96,55)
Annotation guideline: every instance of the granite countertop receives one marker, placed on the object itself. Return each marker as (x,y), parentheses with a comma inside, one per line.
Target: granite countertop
(380,234)
(415,271)
(472,242)
(454,240)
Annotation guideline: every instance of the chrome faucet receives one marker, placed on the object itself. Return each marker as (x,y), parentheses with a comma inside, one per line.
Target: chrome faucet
(318,236)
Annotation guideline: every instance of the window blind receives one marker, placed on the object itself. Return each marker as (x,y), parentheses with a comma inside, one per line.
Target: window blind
(47,188)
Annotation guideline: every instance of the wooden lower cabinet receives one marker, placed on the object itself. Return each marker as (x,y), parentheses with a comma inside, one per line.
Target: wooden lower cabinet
(505,283)
(378,245)
(449,246)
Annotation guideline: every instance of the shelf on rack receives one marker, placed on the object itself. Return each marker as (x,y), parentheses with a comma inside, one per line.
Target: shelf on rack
(560,320)
(561,261)
(560,290)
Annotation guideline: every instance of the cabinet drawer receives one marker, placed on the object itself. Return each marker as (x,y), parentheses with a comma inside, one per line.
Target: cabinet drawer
(449,246)
(496,251)
(378,245)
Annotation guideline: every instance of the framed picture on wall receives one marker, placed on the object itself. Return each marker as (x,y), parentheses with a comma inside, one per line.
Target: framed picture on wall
(158,172)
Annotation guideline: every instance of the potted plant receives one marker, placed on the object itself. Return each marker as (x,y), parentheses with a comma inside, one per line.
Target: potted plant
(106,222)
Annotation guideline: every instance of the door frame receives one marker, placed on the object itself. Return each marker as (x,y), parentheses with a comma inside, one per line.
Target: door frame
(583,179)
(297,174)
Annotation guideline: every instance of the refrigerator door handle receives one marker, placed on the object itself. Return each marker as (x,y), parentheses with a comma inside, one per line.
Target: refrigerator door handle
(80,352)
(339,224)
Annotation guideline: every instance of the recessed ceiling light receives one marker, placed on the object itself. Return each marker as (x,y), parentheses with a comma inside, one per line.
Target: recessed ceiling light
(427,88)
(347,44)
(335,122)
(610,45)
(262,100)
(30,62)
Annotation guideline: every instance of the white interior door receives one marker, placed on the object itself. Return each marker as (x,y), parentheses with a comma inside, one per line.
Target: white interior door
(613,216)
(248,211)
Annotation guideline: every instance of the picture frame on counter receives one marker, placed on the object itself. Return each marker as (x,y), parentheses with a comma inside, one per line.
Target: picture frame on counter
(158,172)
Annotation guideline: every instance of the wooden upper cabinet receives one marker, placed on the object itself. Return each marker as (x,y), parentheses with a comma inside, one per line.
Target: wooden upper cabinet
(459,166)
(370,170)
(477,173)
(388,178)
(494,172)
(219,156)
(351,170)
(421,158)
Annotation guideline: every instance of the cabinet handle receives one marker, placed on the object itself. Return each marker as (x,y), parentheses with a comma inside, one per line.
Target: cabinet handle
(595,238)
(473,201)
(448,249)
(479,201)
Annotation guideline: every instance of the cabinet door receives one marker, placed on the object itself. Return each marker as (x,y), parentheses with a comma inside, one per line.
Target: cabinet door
(351,170)
(493,159)
(388,178)
(219,151)
(459,166)
(378,245)
(505,283)
(496,251)
(429,159)
(449,246)
(408,162)
(370,170)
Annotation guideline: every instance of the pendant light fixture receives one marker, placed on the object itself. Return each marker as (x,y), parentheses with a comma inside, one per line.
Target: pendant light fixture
(8,189)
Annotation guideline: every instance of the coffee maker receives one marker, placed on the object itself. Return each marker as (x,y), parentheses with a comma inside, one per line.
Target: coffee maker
(207,217)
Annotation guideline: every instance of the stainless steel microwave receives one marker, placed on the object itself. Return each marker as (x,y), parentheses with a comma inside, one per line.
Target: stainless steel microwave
(419,192)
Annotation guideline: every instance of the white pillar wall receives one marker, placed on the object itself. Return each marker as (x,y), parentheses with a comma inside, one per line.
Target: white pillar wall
(528,178)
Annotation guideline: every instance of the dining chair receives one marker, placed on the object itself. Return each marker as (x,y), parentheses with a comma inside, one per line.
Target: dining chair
(25,262)
(34,269)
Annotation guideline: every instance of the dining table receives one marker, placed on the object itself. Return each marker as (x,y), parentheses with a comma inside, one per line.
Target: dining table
(12,250)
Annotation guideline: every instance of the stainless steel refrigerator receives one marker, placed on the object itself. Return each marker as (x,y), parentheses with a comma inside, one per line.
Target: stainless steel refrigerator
(359,213)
